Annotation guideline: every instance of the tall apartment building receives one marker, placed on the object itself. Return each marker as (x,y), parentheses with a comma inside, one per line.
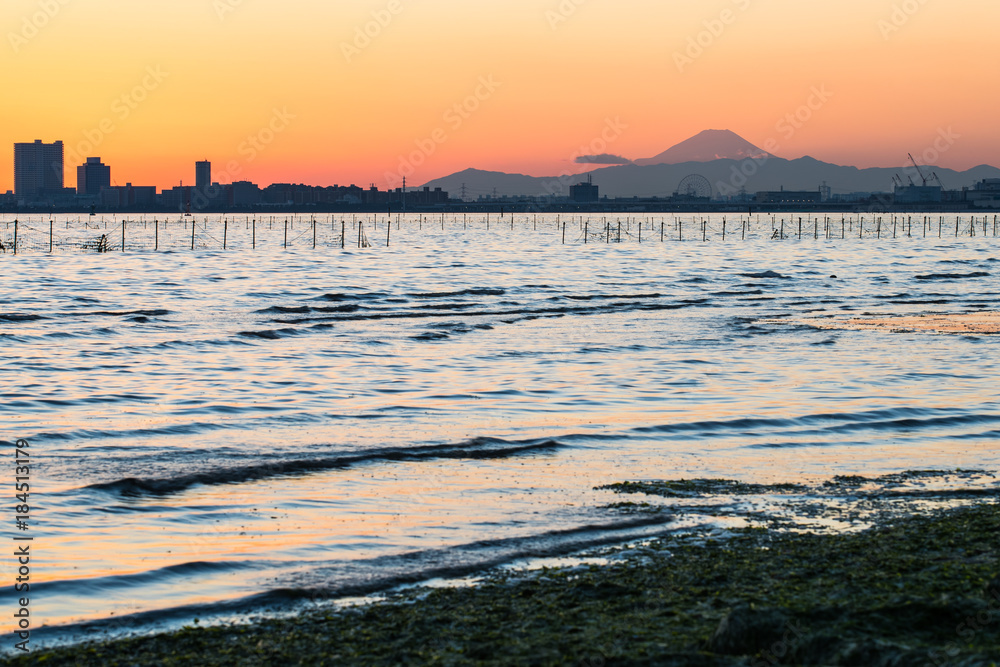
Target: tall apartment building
(38,170)
(202,175)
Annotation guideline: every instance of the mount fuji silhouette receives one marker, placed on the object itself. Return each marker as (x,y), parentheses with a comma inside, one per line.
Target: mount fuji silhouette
(708,146)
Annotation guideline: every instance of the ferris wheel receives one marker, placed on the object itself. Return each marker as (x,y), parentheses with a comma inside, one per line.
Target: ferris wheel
(695,186)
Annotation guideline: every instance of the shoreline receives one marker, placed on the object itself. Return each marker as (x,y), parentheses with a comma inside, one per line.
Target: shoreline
(916,588)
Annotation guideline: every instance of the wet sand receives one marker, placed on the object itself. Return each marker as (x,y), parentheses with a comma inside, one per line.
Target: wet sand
(951,323)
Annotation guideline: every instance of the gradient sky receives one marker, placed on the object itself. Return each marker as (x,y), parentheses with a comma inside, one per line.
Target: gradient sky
(893,75)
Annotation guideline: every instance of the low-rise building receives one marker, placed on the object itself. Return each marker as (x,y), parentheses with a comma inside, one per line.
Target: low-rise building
(908,195)
(985,194)
(245,194)
(584,193)
(789,197)
(134,197)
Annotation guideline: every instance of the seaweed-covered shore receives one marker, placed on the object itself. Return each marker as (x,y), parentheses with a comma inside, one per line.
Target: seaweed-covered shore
(916,590)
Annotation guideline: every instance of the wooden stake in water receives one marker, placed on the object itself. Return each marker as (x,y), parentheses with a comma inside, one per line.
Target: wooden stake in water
(156,234)
(15,237)
(123,236)
(343,233)
(564,233)
(225,234)
(192,233)
(388,230)
(50,236)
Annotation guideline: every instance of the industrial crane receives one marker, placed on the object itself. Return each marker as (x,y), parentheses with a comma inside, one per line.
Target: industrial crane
(919,170)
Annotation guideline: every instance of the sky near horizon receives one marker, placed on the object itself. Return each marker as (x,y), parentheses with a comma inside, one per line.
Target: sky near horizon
(364,92)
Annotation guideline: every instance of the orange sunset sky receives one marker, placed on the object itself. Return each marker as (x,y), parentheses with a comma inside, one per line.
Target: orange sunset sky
(155,85)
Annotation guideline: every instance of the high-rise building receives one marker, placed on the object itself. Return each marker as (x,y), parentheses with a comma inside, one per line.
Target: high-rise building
(93,176)
(38,169)
(203,174)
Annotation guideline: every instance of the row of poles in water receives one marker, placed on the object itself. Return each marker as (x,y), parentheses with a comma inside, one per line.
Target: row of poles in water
(103,243)
(606,231)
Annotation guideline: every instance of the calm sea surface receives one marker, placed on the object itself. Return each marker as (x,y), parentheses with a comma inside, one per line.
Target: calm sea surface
(214,430)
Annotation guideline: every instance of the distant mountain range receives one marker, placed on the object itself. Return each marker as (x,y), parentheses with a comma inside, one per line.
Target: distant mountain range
(728,161)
